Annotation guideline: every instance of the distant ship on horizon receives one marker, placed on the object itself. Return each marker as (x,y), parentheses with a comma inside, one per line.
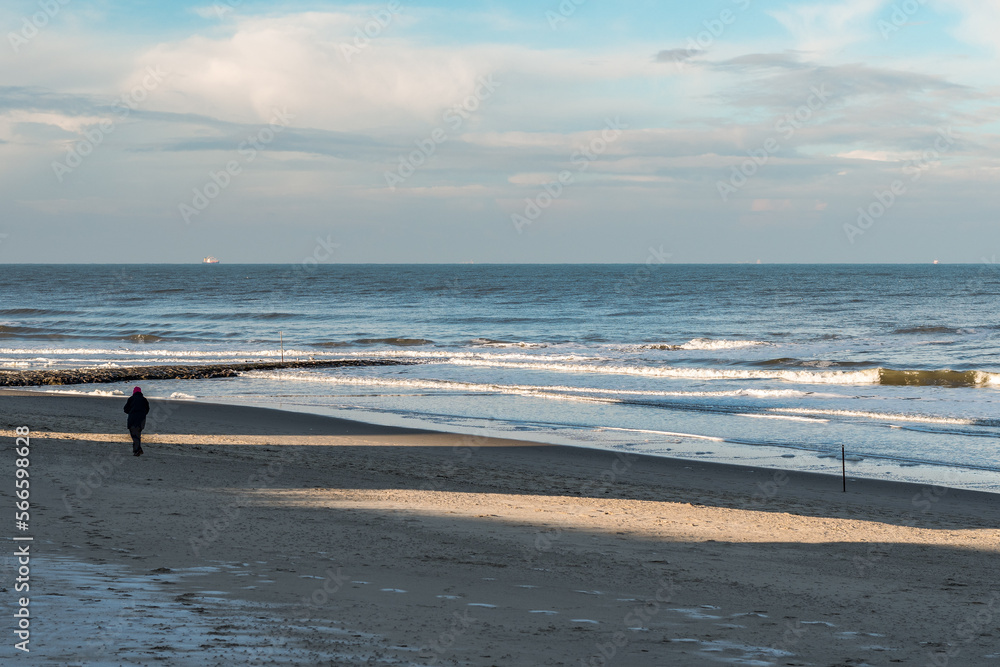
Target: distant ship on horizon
(210,260)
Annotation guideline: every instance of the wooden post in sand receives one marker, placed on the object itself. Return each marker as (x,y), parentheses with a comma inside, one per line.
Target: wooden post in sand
(843,466)
(281,339)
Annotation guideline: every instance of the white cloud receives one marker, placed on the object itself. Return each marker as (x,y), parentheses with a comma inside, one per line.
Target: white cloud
(828,27)
(875,156)
(299,62)
(532,180)
(72,124)
(980,24)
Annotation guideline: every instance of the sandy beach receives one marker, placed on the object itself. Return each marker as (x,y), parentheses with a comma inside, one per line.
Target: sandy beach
(255,536)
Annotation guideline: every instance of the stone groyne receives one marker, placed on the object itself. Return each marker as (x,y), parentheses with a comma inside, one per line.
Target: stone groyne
(191,372)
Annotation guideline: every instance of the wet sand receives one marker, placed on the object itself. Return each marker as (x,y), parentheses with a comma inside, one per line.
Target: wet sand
(267,537)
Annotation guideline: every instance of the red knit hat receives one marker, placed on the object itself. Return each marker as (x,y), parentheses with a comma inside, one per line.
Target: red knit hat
(137,390)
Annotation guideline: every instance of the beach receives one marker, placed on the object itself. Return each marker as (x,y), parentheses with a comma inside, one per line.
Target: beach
(269,537)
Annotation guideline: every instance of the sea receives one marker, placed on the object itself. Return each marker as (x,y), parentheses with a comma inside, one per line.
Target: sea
(894,367)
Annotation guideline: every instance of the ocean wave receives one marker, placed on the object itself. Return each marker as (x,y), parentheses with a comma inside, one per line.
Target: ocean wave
(238,316)
(416,355)
(785,417)
(457,385)
(670,433)
(811,363)
(929,329)
(878,375)
(165,353)
(33,311)
(9,331)
(400,342)
(489,342)
(76,392)
(444,356)
(145,338)
(889,416)
(868,376)
(707,344)
(941,378)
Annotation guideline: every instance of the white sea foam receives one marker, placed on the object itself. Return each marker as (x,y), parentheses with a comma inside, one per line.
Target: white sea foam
(568,391)
(711,344)
(95,392)
(446,355)
(887,416)
(485,342)
(785,417)
(154,354)
(867,376)
(670,433)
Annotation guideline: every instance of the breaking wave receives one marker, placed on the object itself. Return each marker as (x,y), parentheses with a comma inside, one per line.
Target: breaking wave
(891,416)
(399,342)
(929,329)
(455,385)
(707,344)
(878,375)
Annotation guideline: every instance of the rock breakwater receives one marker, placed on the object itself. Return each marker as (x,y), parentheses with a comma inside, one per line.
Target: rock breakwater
(189,372)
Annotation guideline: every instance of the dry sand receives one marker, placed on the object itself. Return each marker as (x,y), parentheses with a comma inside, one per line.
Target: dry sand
(252,536)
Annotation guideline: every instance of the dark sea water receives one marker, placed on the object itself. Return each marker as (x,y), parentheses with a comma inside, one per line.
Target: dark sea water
(767,365)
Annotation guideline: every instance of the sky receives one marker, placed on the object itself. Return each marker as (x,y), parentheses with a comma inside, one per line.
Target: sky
(136,131)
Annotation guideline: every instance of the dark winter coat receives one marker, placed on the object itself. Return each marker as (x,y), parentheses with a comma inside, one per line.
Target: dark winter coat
(137,408)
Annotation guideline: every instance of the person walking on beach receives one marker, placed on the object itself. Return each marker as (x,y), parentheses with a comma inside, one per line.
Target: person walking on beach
(137,408)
